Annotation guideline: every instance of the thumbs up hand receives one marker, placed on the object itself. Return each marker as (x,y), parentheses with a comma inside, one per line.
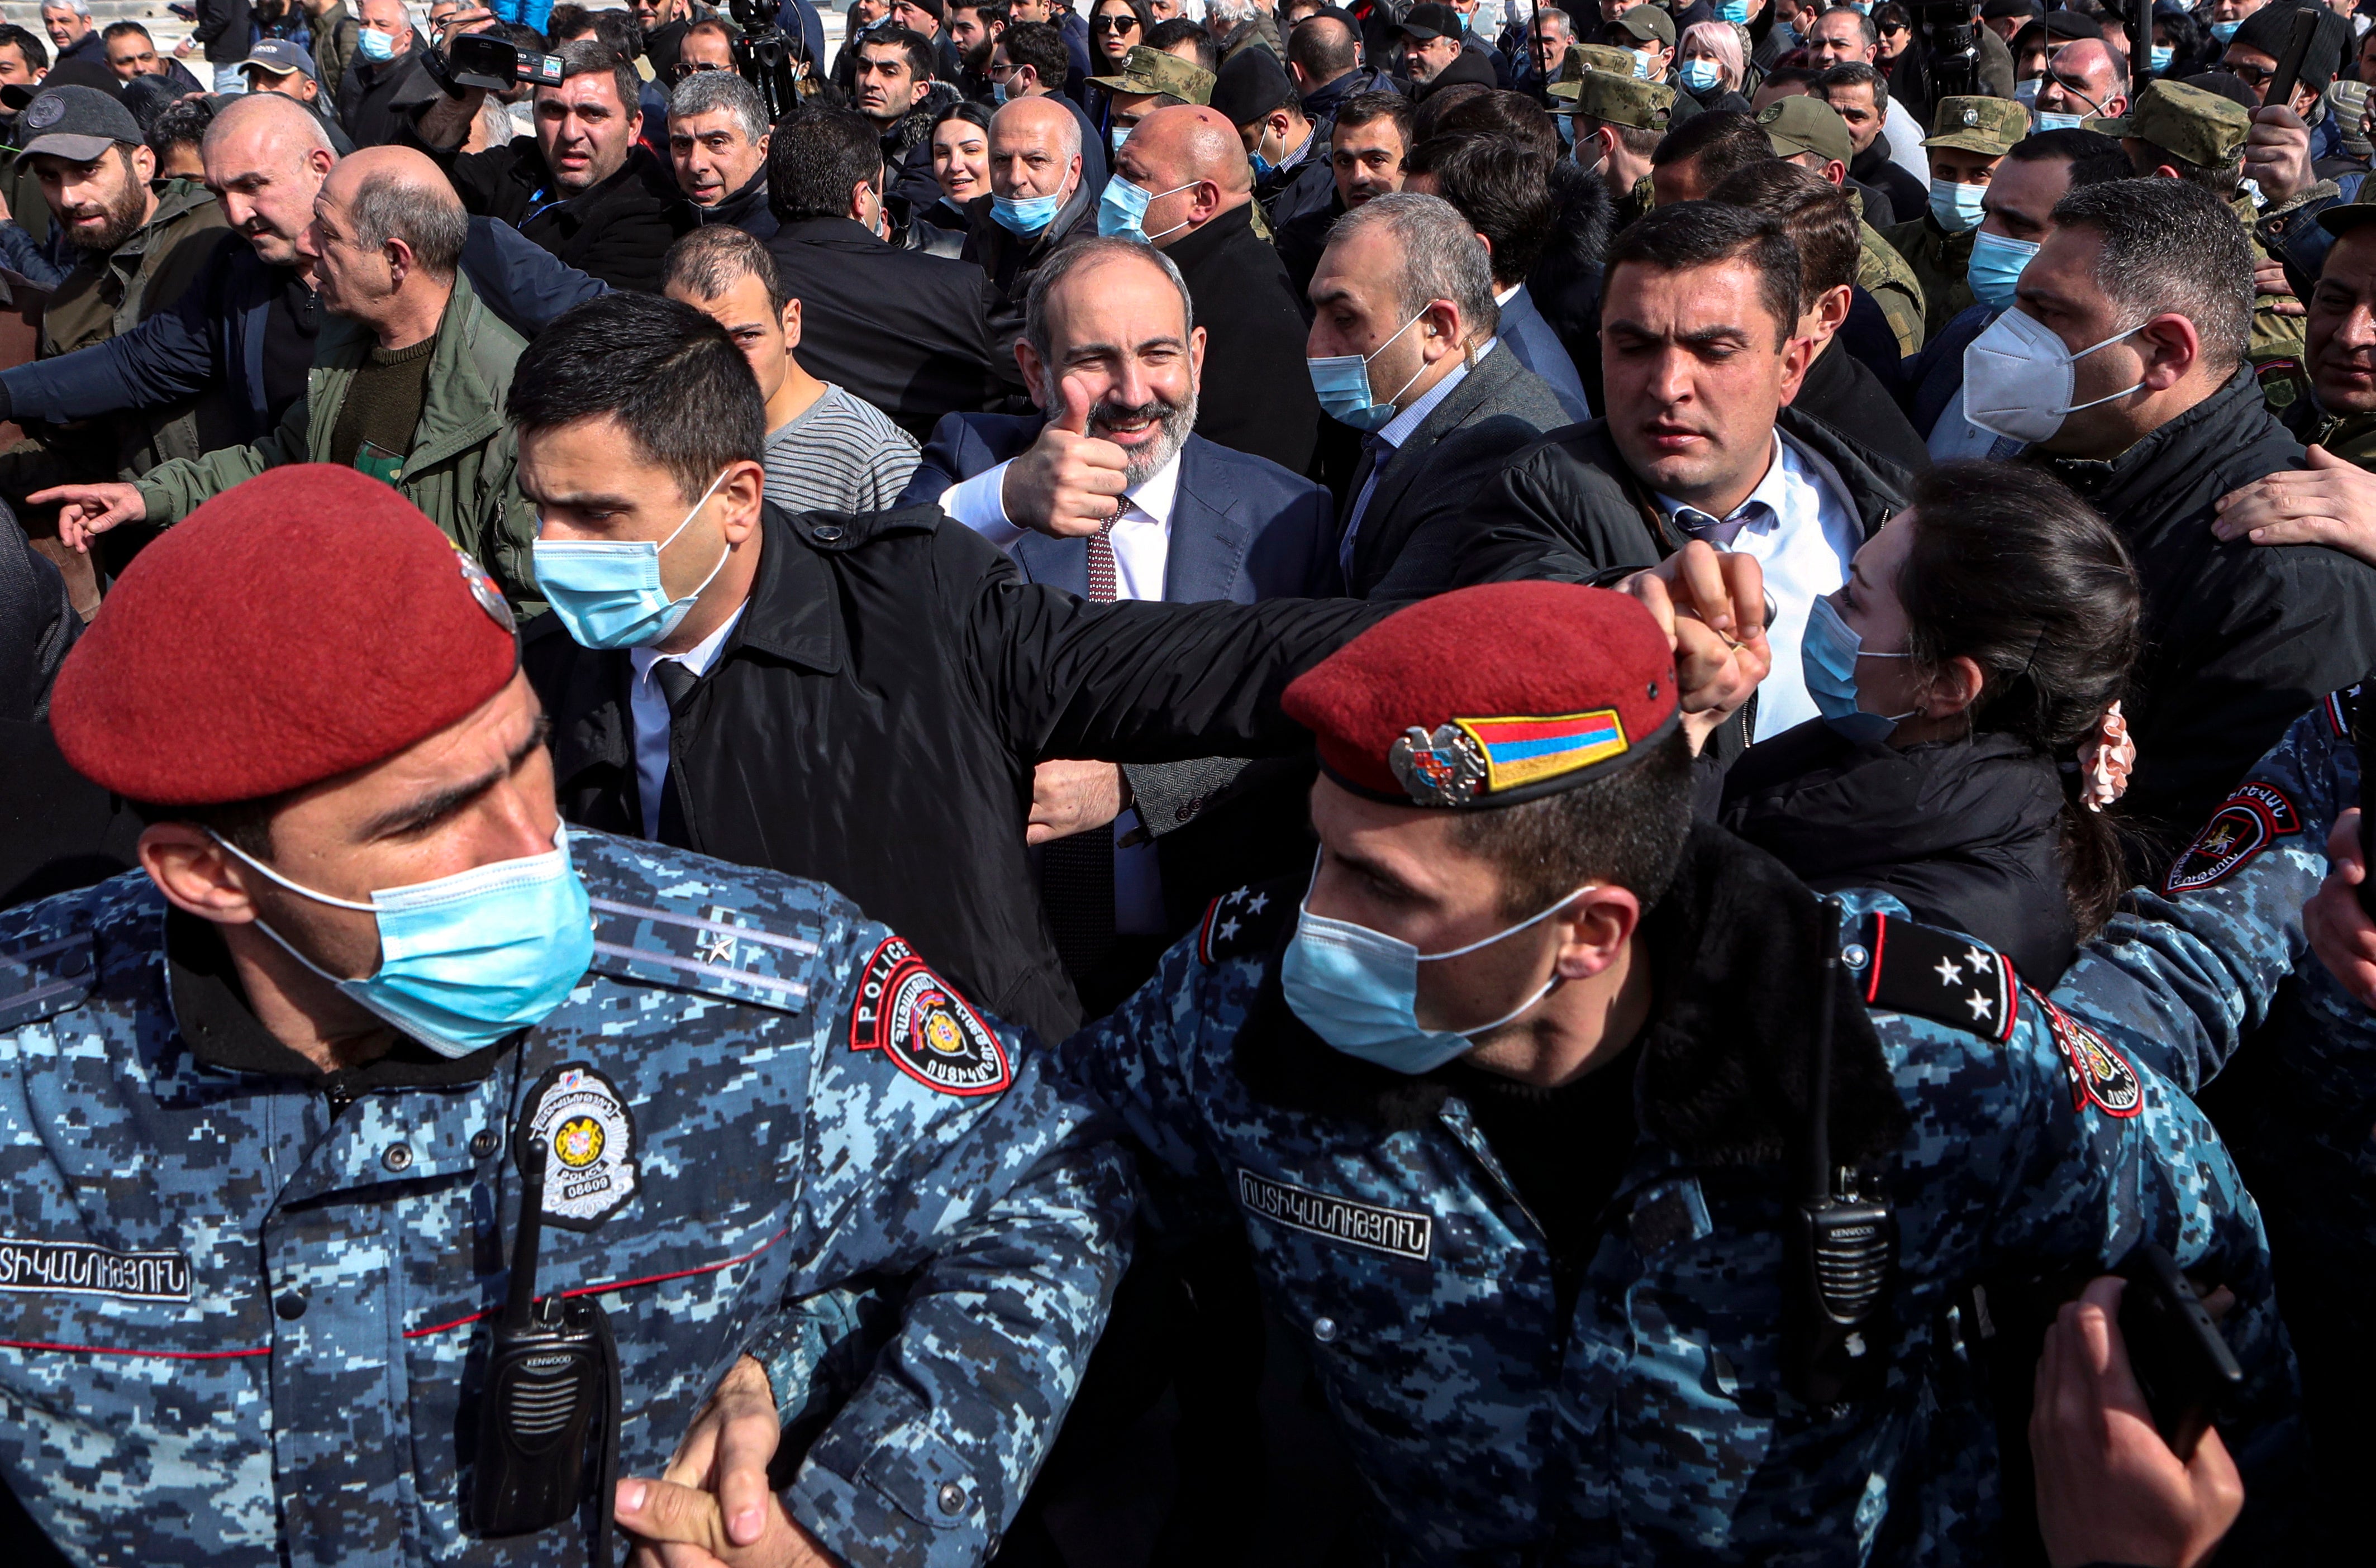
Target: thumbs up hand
(1070,483)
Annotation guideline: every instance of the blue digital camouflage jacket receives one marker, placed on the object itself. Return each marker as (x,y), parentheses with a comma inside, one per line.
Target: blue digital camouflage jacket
(239,1327)
(1654,1425)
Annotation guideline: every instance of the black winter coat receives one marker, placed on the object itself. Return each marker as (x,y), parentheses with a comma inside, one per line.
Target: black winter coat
(1967,832)
(1842,391)
(2241,639)
(1255,325)
(873,720)
(617,230)
(908,332)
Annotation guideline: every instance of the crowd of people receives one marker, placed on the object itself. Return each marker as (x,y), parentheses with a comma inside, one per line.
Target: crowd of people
(1240,781)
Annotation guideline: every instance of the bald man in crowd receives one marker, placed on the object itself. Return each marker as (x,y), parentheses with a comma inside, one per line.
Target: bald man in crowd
(409,375)
(1038,199)
(1190,193)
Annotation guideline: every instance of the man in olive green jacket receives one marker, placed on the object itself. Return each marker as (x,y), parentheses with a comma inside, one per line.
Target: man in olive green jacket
(408,383)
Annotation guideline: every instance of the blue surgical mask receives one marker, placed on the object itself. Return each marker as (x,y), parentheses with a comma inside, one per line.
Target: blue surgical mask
(1122,211)
(2047,120)
(1733,11)
(998,92)
(1119,135)
(2225,31)
(1026,216)
(609,595)
(468,958)
(1641,63)
(2161,54)
(1342,383)
(376,45)
(2024,91)
(1827,658)
(1358,989)
(1995,267)
(1700,75)
(1956,206)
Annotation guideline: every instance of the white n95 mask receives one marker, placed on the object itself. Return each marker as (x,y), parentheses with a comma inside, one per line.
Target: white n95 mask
(2018,375)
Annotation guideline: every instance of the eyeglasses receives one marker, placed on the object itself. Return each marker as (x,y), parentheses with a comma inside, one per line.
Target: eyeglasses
(1113,24)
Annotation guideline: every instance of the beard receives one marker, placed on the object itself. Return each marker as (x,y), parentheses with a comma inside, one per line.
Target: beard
(1173,423)
(126,214)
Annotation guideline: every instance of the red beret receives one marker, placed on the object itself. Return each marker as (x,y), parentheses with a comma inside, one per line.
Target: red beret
(1491,695)
(299,627)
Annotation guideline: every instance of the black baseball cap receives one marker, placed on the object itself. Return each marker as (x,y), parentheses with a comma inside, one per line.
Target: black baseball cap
(1251,85)
(77,124)
(1431,20)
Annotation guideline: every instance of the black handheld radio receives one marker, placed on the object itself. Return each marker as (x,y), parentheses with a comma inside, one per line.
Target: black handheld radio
(553,1369)
(1844,1242)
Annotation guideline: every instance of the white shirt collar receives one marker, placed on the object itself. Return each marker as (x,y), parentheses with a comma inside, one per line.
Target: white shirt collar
(699,657)
(1404,425)
(1155,496)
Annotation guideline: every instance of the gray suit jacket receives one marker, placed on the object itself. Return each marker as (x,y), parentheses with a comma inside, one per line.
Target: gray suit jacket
(1499,409)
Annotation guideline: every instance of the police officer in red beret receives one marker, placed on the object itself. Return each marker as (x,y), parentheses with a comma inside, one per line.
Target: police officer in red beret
(1512,1101)
(271,1108)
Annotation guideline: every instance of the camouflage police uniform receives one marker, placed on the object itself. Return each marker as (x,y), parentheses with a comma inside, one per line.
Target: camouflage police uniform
(1650,1422)
(1616,99)
(244,1314)
(1800,125)
(1986,125)
(2208,131)
(2216,956)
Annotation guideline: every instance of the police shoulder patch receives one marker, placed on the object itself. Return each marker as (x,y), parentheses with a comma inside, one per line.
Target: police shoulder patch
(2251,818)
(590,1144)
(928,1030)
(2099,1075)
(1242,924)
(2342,709)
(1937,975)
(43,974)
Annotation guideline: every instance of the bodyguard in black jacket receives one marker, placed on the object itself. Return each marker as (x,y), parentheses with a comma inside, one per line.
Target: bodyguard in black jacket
(882,687)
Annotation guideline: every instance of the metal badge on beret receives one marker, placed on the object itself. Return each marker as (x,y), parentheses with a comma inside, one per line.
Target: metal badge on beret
(483,589)
(1443,769)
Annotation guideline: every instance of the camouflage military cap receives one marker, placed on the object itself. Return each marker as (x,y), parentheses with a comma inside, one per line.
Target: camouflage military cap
(1986,126)
(1800,124)
(2205,129)
(1151,70)
(1619,100)
(1583,57)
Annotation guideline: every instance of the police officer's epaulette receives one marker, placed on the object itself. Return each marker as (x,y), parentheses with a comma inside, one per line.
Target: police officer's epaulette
(1246,923)
(2342,707)
(667,918)
(45,972)
(1904,968)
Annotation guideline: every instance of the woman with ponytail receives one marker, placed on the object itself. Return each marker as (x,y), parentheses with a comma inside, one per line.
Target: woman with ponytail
(1966,674)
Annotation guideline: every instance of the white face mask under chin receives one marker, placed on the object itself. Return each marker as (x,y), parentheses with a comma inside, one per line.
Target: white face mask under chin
(2018,377)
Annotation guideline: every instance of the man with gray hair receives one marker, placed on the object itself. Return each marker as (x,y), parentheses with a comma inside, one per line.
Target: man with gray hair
(69,26)
(2123,365)
(717,148)
(1108,492)
(1402,347)
(408,383)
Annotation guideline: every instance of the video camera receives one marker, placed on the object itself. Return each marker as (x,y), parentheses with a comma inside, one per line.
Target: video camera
(775,63)
(486,60)
(1950,46)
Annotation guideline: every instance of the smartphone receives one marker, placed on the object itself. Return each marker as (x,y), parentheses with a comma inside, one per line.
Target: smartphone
(2182,1363)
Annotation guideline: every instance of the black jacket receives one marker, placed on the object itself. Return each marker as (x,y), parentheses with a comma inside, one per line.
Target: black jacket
(1303,240)
(1568,509)
(908,332)
(746,209)
(221,29)
(1565,283)
(617,230)
(2240,638)
(1255,325)
(1967,832)
(377,97)
(1908,197)
(874,720)
(1843,392)
(1012,261)
(1289,194)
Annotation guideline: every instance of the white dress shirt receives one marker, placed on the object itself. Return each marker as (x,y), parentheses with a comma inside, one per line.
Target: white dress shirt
(1142,547)
(647,709)
(1399,429)
(1800,527)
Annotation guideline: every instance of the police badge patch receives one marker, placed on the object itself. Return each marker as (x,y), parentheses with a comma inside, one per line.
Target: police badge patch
(2238,831)
(589,1139)
(919,1020)
(2099,1075)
